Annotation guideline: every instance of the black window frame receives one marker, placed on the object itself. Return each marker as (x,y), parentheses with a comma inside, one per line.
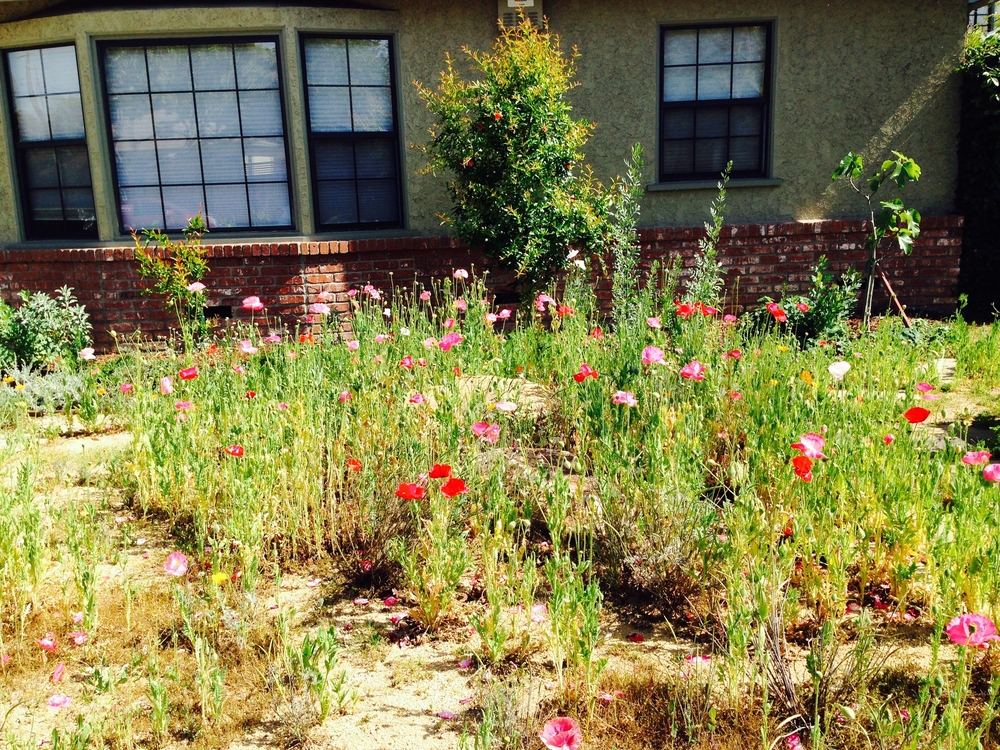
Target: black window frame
(189,41)
(764,102)
(67,229)
(985,13)
(353,136)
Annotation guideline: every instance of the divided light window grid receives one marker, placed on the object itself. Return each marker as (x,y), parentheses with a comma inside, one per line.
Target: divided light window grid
(352,132)
(984,16)
(198,127)
(50,144)
(715,86)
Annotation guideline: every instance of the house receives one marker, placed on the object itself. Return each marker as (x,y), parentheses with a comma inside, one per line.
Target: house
(288,124)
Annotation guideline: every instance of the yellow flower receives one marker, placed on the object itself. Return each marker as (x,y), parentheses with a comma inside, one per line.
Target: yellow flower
(782,348)
(101,391)
(807,377)
(774,383)
(8,379)
(19,387)
(219,578)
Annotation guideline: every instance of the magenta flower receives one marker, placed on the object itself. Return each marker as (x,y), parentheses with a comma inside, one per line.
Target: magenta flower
(488,433)
(925,387)
(654,323)
(449,323)
(176,564)
(344,397)
(976,458)
(624,398)
(449,340)
(238,369)
(353,345)
(889,439)
(48,643)
(418,398)
(972,630)
(247,347)
(461,305)
(542,300)
(59,701)
(319,308)
(126,387)
(504,314)
(253,304)
(79,637)
(273,339)
(425,296)
(561,734)
(992,473)
(182,405)
(381,338)
(729,318)
(693,370)
(652,355)
(811,445)
(57,674)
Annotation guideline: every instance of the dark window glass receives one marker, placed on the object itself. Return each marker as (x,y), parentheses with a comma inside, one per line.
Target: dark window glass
(352,129)
(198,128)
(715,84)
(51,144)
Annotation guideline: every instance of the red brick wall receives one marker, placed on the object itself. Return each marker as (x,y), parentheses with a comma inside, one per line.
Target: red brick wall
(759,258)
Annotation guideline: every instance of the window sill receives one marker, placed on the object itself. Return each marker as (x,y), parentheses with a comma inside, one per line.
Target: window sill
(662,187)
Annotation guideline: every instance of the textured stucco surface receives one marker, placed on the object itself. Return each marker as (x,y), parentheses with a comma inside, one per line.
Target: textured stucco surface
(873,75)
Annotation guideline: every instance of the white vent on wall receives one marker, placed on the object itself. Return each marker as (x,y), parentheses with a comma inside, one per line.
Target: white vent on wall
(509,11)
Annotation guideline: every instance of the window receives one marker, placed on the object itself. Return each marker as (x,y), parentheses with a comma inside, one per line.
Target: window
(715,87)
(984,17)
(50,144)
(197,128)
(352,132)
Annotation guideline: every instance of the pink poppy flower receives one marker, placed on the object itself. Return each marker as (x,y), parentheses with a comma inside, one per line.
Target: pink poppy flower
(504,314)
(381,338)
(87,354)
(418,398)
(390,601)
(924,387)
(166,386)
(48,643)
(693,370)
(4,659)
(324,296)
(253,304)
(461,305)
(282,406)
(406,362)
(586,371)
(319,308)
(352,292)
(624,398)
(247,347)
(57,674)
(802,307)
(490,318)
(189,373)
(460,273)
(195,286)
(126,387)
(176,564)
(976,458)
(449,323)
(353,345)
(992,473)
(344,397)
(542,300)
(889,439)
(904,715)
(652,355)
(930,397)
(361,602)
(794,742)
(708,310)
(654,323)
(446,715)
(972,630)
(450,340)
(488,433)
(182,405)
(465,663)
(425,296)
(562,733)
(735,395)
(79,637)
(59,701)
(728,318)
(811,445)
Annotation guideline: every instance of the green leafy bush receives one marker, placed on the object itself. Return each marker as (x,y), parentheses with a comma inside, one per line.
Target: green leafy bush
(43,329)
(513,151)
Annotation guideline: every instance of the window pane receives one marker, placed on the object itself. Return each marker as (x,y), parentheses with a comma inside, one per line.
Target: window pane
(710,155)
(369,59)
(45,205)
(329,110)
(338,203)
(136,162)
(131,117)
(748,80)
(713,122)
(66,116)
(169,69)
(222,160)
(749,44)
(715,45)
(60,70)
(141,208)
(173,115)
(678,123)
(377,200)
(745,154)
(713,82)
(334,160)
(125,70)
(265,159)
(181,204)
(226,206)
(79,204)
(678,157)
(269,205)
(257,65)
(26,73)
(680,47)
(745,120)
(372,110)
(32,118)
(261,112)
(326,62)
(74,167)
(679,84)
(218,114)
(180,163)
(376,159)
(42,168)
(213,67)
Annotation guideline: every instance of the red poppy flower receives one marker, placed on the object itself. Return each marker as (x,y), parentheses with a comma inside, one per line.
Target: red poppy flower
(439,471)
(306,338)
(803,468)
(597,333)
(586,371)
(251,395)
(454,486)
(803,307)
(212,349)
(235,450)
(916,415)
(775,309)
(353,464)
(456,371)
(636,638)
(684,310)
(189,374)
(563,310)
(406,362)
(497,115)
(410,492)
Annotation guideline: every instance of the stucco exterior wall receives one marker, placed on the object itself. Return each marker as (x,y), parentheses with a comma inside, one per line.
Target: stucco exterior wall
(873,75)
